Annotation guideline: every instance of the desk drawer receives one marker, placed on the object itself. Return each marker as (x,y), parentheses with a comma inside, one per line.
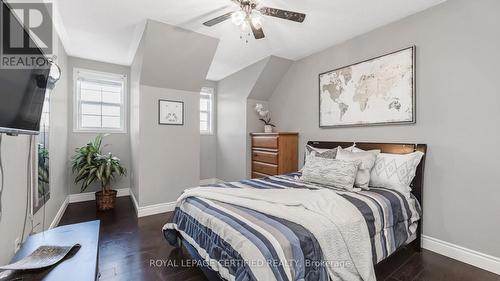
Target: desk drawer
(265,142)
(264,156)
(264,168)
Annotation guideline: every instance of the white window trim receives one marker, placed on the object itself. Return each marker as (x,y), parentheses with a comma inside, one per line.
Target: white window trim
(76,101)
(211,92)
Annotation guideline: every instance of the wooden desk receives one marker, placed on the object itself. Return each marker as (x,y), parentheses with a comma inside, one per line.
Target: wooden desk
(83,266)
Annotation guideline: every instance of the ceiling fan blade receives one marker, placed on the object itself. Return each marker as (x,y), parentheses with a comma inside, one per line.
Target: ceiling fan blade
(283,14)
(197,20)
(218,20)
(258,33)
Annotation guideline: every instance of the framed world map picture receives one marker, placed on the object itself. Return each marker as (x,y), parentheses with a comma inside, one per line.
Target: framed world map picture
(379,91)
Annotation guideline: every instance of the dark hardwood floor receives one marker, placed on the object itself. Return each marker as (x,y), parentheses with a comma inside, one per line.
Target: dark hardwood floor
(129,245)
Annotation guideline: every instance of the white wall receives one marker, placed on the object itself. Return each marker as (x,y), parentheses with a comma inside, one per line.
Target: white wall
(15,156)
(117,143)
(458,102)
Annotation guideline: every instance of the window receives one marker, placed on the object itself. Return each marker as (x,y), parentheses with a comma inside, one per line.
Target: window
(100,101)
(206,110)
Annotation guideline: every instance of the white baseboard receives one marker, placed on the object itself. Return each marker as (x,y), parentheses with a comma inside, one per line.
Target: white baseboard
(156,209)
(60,213)
(89,196)
(135,202)
(210,181)
(475,258)
(144,211)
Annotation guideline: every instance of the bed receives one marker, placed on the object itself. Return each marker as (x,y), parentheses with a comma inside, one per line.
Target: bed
(279,228)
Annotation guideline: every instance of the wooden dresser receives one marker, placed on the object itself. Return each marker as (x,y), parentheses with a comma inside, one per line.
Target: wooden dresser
(274,154)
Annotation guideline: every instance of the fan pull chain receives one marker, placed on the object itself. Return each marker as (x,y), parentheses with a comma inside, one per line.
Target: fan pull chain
(245,37)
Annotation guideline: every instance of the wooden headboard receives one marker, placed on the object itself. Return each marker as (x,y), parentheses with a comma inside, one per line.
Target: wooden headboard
(396,148)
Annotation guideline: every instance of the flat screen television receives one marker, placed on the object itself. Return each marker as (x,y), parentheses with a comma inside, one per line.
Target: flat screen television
(22,93)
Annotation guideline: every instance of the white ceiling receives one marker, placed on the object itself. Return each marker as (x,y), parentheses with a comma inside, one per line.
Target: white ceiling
(110,30)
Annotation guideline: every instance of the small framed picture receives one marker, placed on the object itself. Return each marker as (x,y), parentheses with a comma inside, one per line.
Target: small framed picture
(170,112)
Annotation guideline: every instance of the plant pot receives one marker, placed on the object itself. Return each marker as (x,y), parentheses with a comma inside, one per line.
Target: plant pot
(268,129)
(105,200)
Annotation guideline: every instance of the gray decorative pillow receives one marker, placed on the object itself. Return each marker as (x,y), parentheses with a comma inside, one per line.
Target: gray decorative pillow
(330,172)
(321,152)
(367,159)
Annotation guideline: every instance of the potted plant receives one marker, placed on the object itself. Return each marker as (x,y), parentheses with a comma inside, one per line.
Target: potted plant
(90,165)
(43,170)
(265,117)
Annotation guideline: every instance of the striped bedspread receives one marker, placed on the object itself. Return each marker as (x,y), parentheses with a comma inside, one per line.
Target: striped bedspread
(287,249)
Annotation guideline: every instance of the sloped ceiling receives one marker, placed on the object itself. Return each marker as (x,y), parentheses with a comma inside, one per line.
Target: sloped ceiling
(240,84)
(269,78)
(257,81)
(171,57)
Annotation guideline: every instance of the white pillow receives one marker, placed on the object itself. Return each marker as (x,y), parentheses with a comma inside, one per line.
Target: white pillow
(395,171)
(367,159)
(330,172)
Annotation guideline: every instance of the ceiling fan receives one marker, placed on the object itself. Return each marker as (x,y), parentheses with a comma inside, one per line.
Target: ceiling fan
(250,14)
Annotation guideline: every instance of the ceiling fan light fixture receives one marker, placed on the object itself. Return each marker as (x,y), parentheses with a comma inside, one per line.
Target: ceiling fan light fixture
(238,18)
(244,26)
(250,17)
(256,19)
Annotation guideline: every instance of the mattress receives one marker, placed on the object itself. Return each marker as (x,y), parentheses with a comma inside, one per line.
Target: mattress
(289,249)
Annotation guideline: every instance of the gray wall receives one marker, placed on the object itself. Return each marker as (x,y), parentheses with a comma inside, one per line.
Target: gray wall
(236,117)
(170,155)
(208,157)
(232,94)
(208,144)
(134,124)
(15,155)
(166,159)
(117,143)
(458,100)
